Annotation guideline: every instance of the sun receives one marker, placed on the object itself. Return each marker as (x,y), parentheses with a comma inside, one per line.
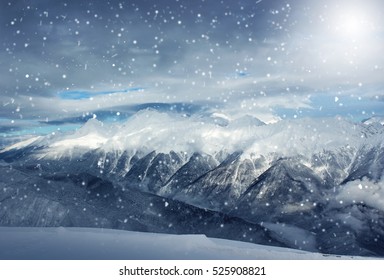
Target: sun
(352,22)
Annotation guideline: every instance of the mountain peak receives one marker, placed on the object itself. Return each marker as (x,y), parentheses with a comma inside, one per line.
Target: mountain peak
(91,126)
(374,120)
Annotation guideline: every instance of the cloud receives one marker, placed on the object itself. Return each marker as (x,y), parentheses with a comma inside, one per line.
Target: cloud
(7,129)
(121,113)
(64,60)
(363,192)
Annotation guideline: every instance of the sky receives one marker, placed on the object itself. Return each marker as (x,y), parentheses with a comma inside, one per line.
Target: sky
(62,62)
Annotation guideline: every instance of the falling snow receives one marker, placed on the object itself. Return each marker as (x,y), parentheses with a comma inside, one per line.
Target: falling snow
(174,97)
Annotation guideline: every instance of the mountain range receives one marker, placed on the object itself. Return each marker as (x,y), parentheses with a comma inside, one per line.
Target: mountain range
(310,184)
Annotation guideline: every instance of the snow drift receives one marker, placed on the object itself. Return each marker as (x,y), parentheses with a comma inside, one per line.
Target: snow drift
(103,244)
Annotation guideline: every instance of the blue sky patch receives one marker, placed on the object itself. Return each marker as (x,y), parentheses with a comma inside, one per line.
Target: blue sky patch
(83,94)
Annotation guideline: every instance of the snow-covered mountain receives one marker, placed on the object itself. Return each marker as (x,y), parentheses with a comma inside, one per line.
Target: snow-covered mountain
(374,120)
(283,184)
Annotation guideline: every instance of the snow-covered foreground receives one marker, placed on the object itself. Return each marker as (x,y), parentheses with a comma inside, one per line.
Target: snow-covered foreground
(93,244)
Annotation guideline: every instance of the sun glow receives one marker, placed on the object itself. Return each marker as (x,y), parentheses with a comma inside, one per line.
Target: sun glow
(353,22)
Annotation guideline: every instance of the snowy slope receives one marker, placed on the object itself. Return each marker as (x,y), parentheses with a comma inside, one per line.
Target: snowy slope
(22,144)
(91,244)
